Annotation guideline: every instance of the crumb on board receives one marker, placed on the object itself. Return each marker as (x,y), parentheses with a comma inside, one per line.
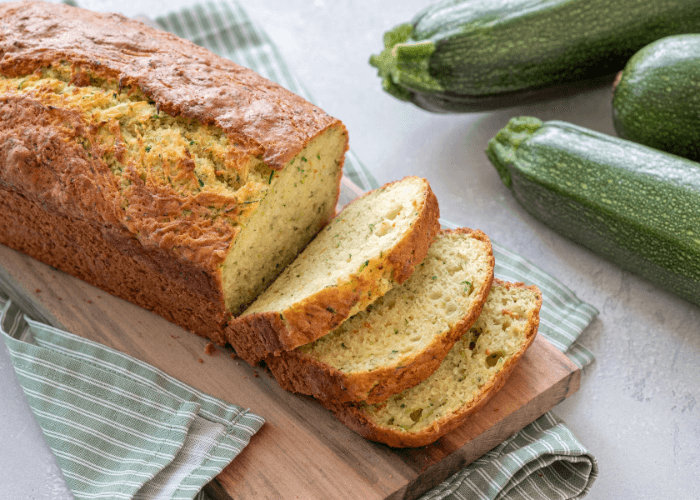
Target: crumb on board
(210,349)
(200,360)
(38,290)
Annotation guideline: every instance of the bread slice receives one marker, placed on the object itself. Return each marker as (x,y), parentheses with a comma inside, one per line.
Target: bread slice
(402,337)
(374,243)
(476,367)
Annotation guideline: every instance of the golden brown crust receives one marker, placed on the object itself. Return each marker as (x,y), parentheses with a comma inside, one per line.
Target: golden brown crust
(40,163)
(413,248)
(299,372)
(261,118)
(113,262)
(182,78)
(318,314)
(66,197)
(51,186)
(355,418)
(31,144)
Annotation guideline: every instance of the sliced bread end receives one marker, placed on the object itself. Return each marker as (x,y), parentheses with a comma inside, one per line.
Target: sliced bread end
(468,377)
(403,337)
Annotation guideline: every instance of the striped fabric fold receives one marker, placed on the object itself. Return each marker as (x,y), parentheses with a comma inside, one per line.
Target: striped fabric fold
(544,460)
(118,427)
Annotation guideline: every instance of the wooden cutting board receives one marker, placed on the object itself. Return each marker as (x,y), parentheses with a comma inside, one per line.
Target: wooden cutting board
(302,451)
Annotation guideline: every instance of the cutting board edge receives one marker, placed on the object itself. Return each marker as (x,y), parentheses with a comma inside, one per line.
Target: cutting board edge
(412,489)
(515,422)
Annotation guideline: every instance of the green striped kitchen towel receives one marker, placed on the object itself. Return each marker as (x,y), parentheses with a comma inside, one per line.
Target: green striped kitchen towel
(119,428)
(544,460)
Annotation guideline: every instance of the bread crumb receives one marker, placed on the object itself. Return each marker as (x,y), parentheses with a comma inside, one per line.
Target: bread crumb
(511,314)
(255,375)
(89,301)
(210,349)
(200,360)
(37,290)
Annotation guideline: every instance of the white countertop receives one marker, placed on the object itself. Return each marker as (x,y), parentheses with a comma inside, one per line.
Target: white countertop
(637,410)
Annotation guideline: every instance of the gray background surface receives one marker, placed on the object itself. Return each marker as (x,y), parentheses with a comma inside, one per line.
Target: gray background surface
(637,407)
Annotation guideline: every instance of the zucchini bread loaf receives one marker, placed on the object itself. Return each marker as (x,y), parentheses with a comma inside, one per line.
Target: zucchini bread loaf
(153,169)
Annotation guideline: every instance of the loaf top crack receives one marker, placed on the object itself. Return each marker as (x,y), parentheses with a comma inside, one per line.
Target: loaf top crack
(181,78)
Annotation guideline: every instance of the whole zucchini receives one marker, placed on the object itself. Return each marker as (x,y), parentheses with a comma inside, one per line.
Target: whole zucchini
(634,205)
(657,99)
(470,55)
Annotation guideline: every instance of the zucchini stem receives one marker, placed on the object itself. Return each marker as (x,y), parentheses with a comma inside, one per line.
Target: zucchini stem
(403,65)
(501,149)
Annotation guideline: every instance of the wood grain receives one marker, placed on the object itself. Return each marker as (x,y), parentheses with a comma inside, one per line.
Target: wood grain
(301,451)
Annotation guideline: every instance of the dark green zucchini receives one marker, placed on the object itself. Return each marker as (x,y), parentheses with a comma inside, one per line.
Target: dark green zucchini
(631,204)
(657,99)
(470,55)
